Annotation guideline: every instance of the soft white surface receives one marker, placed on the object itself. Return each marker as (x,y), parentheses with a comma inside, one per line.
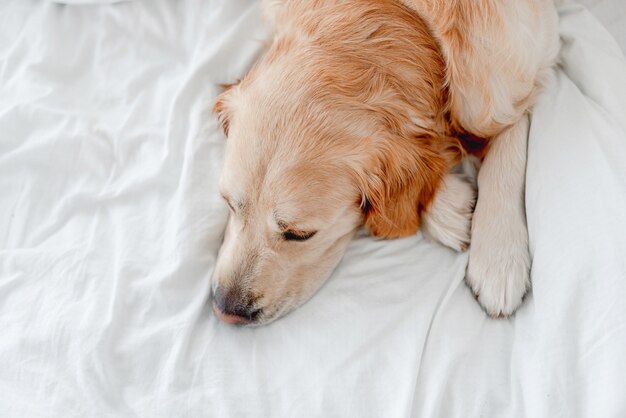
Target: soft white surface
(110,222)
(612,13)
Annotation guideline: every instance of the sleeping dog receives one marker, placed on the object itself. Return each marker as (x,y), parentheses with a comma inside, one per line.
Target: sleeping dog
(356,116)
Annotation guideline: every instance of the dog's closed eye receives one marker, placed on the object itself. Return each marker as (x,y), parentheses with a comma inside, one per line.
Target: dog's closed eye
(298,235)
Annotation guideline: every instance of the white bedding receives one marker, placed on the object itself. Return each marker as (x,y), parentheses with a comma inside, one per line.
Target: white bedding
(611,13)
(110,222)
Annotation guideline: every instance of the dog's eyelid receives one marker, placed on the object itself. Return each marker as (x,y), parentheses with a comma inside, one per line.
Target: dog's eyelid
(292,232)
(298,235)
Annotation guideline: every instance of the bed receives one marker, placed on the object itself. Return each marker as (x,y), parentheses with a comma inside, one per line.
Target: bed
(612,14)
(110,223)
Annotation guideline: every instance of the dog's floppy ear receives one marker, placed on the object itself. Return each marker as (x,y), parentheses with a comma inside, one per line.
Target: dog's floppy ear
(224,106)
(398,182)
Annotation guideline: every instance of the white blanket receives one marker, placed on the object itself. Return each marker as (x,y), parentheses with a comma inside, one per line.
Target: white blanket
(110,223)
(612,13)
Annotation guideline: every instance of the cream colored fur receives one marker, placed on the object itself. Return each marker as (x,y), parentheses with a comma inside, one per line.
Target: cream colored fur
(352,119)
(497,53)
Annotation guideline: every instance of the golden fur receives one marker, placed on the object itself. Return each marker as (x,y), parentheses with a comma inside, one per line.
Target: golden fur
(356,115)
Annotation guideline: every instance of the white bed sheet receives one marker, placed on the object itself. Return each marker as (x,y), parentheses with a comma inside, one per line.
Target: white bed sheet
(110,222)
(612,14)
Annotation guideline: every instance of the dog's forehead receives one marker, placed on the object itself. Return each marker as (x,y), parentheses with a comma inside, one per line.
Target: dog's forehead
(291,185)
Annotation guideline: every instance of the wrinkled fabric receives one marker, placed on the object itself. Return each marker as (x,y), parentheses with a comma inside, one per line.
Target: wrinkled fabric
(110,223)
(611,13)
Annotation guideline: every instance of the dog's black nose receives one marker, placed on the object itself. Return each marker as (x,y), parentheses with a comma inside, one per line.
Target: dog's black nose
(234,307)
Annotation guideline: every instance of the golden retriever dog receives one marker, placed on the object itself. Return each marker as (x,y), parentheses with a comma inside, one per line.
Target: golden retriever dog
(356,115)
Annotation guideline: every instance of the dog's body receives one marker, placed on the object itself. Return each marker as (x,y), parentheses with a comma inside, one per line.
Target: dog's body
(497,54)
(356,115)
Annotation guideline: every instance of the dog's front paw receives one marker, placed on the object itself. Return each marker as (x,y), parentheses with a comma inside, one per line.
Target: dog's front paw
(499,267)
(448,220)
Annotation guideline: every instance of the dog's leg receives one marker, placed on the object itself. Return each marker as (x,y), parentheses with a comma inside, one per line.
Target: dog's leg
(499,261)
(448,219)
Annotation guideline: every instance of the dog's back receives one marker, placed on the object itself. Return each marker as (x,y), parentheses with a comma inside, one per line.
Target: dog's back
(497,52)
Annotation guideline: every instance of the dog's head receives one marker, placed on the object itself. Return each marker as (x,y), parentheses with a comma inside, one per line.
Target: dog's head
(341,124)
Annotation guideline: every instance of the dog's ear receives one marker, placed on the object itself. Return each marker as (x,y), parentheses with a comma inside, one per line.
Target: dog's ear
(224,106)
(399,182)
